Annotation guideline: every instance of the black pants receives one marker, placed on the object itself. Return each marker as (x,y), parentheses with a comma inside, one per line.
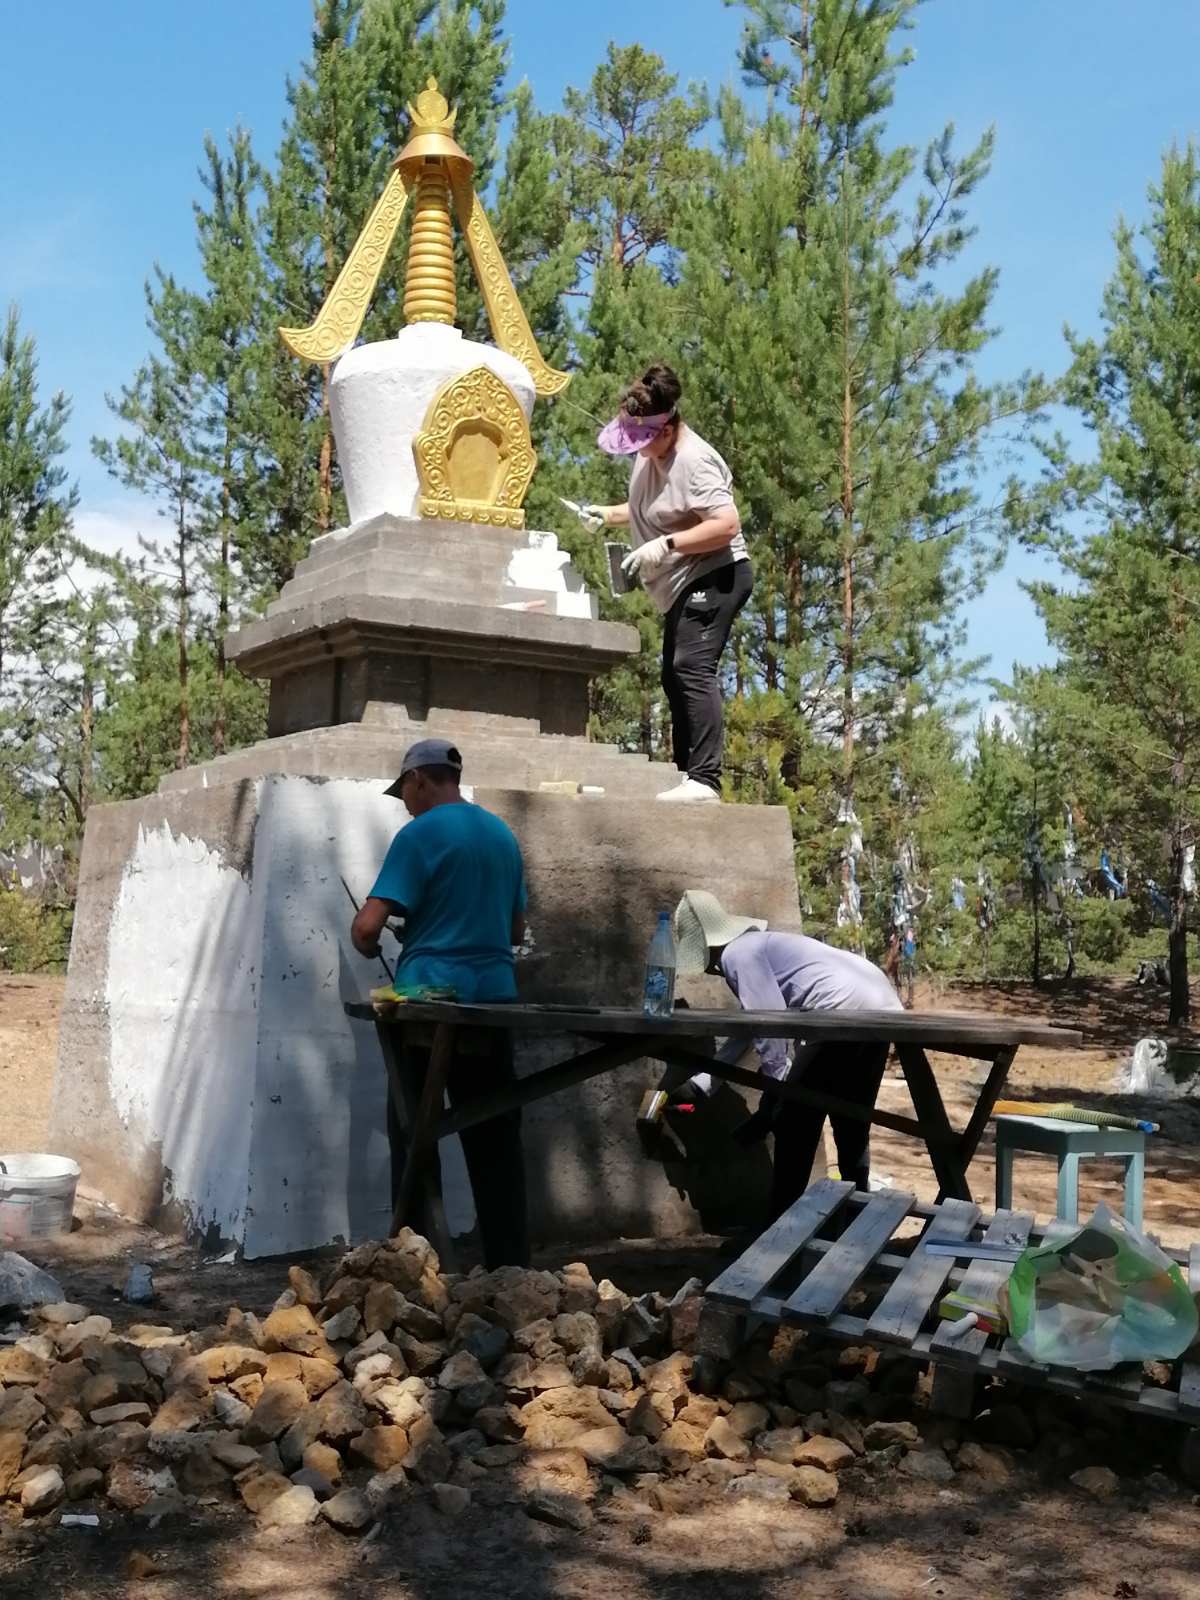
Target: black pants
(848,1072)
(494,1155)
(694,636)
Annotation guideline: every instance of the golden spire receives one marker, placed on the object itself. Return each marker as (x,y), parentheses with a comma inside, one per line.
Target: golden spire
(435,171)
(427,161)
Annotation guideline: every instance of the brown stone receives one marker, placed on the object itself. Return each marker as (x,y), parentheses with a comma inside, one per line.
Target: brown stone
(879,1435)
(260,1488)
(42,1492)
(131,1484)
(381,1447)
(359,1261)
(54,1447)
(248,1389)
(682,1443)
(559,1416)
(646,1420)
(225,1362)
(780,1445)
(21,1409)
(685,1323)
(121,1442)
(131,1411)
(451,1499)
(831,1455)
(748,1417)
(342,1413)
(304,1286)
(669,1376)
(233,1454)
(72,1338)
(279,1407)
(527,1297)
(428,1460)
(344,1292)
(61,1314)
(21,1366)
(417,1355)
(1101,1483)
(12,1448)
(416,1320)
(812,1487)
(85,1483)
(295,1441)
(501,1424)
(849,1432)
(559,1510)
(380,1308)
(315,1374)
(200,1473)
(323,1458)
(612,1450)
(296,1330)
(993,1466)
(556,1472)
(699,1409)
(723,1440)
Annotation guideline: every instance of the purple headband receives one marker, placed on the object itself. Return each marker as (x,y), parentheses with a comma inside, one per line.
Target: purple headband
(625,434)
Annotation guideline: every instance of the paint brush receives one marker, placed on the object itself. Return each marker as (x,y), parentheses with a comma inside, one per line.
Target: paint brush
(383,962)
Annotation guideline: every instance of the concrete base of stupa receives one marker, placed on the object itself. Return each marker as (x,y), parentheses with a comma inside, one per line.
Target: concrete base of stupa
(209,1079)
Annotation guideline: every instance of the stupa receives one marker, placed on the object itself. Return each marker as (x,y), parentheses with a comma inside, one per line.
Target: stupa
(208,1078)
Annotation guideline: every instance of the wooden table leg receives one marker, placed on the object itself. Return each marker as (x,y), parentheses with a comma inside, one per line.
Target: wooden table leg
(988,1095)
(421,1142)
(944,1148)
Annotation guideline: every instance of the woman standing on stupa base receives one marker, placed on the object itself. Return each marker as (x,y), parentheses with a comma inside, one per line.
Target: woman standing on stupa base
(689,552)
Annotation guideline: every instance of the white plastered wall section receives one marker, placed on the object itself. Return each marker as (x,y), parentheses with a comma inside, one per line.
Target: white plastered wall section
(230,1049)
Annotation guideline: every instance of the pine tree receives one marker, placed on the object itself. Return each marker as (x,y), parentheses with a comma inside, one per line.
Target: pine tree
(1125,523)
(35,501)
(162,457)
(837,376)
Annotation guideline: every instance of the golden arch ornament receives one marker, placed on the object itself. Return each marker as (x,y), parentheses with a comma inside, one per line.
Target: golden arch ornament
(474,455)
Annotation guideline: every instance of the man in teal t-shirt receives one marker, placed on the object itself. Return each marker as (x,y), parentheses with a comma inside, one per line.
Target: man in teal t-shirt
(454,875)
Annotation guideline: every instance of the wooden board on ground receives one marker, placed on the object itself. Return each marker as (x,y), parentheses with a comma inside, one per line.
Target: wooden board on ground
(849,1238)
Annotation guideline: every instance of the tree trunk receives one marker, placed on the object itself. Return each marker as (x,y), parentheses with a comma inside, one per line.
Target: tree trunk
(87,720)
(1177,958)
(325,460)
(185,729)
(219,725)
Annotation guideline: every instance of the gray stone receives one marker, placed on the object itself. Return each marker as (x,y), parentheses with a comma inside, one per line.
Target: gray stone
(24,1285)
(929,1466)
(349,1512)
(228,1409)
(484,1340)
(1099,1482)
(451,1499)
(754,1486)
(139,1285)
(559,1510)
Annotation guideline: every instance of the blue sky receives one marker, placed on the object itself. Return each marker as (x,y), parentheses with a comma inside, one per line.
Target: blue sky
(102,121)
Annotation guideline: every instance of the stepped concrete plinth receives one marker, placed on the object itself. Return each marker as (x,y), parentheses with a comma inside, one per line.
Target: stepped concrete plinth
(208,1077)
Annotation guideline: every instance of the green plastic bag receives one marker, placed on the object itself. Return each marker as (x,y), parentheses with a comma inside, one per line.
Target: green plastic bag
(1102,1295)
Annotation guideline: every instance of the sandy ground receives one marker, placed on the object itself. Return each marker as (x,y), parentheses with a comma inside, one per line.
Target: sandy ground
(886,1540)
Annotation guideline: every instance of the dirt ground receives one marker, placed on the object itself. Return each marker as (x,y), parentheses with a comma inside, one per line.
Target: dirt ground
(889,1539)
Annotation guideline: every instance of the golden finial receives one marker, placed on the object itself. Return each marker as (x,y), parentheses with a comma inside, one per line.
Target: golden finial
(432,113)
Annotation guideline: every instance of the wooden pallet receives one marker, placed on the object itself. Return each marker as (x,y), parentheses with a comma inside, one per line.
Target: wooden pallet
(832,1263)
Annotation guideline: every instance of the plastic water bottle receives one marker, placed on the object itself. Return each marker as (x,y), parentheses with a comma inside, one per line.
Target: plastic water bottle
(658,999)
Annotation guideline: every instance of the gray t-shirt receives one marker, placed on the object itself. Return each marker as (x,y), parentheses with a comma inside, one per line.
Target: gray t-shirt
(688,485)
(790,971)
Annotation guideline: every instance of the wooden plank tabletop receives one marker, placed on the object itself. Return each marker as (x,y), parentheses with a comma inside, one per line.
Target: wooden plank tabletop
(933,1029)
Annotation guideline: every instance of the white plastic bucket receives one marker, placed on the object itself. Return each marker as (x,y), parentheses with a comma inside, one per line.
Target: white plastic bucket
(37,1195)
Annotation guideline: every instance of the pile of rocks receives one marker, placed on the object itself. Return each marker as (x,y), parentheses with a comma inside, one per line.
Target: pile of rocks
(390,1377)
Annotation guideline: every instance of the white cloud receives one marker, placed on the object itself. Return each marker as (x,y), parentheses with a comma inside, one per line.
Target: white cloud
(113,527)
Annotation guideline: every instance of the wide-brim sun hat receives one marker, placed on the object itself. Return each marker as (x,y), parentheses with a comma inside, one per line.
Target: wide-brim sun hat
(703,925)
(626,435)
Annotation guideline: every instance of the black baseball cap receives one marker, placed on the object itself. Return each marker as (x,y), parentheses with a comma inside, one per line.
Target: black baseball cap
(427,753)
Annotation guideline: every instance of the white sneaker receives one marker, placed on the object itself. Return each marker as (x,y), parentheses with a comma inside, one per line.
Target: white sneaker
(692,792)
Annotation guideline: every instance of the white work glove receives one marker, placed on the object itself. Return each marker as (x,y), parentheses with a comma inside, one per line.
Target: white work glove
(647,557)
(592,517)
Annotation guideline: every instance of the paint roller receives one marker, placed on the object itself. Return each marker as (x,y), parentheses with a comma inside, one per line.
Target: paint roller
(655,1103)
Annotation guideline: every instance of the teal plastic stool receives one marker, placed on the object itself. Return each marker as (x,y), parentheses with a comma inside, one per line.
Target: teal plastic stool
(1068,1141)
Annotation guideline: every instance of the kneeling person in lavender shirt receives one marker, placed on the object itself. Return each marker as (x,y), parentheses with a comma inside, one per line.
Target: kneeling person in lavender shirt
(790,971)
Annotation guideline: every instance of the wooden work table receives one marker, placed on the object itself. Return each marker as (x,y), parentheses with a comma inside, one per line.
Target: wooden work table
(620,1036)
